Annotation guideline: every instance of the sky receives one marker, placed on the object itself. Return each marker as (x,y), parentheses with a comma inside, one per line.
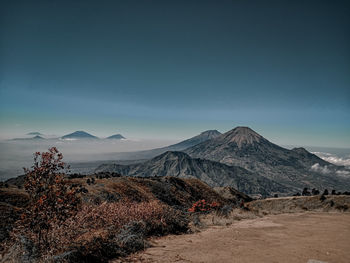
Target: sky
(171,69)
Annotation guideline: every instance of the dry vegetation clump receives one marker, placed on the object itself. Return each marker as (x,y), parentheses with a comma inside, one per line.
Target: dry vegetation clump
(98,233)
(59,224)
(215,218)
(336,203)
(204,214)
(101,232)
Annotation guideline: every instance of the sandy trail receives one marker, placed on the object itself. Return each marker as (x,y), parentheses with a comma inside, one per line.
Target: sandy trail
(304,237)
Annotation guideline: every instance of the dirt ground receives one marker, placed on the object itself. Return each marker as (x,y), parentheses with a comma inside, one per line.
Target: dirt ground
(303,237)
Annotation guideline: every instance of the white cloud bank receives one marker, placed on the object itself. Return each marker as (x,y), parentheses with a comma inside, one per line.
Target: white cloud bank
(332,158)
(320,169)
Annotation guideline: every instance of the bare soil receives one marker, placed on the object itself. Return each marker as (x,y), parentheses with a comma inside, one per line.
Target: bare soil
(299,237)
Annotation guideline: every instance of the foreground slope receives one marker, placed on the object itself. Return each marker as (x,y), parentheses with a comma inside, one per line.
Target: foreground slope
(293,168)
(179,164)
(293,238)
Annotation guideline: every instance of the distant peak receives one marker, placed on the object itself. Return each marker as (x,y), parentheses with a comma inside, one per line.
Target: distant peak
(37,137)
(300,150)
(34,133)
(79,134)
(242,135)
(116,136)
(211,132)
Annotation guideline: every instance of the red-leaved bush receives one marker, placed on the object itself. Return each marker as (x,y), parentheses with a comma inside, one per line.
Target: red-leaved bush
(51,199)
(203,206)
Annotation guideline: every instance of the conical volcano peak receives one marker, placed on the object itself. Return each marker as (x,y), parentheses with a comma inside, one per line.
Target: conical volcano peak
(242,135)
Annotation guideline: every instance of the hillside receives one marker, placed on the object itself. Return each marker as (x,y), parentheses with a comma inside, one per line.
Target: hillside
(292,168)
(215,174)
(175,192)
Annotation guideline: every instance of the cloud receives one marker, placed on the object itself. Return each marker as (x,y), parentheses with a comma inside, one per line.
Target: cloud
(332,158)
(327,170)
(320,169)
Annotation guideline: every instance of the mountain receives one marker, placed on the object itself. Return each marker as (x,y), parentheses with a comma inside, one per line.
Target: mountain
(215,174)
(34,133)
(293,168)
(116,137)
(148,154)
(204,136)
(79,135)
(37,137)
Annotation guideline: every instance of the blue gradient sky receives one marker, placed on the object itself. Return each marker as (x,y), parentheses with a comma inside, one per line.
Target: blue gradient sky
(171,69)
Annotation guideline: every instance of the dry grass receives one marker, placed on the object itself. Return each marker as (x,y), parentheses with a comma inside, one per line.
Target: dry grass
(202,221)
(338,203)
(100,232)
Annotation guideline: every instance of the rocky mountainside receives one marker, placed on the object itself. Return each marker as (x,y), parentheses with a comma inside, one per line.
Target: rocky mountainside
(215,174)
(293,168)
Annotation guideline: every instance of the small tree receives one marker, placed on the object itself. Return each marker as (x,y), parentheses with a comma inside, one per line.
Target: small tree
(306,192)
(51,199)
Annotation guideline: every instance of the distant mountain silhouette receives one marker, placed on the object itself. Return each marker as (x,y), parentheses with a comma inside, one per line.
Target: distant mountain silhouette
(179,164)
(293,168)
(79,135)
(116,137)
(37,137)
(34,133)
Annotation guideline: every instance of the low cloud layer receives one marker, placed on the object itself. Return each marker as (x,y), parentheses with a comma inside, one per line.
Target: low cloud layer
(332,158)
(327,170)
(320,169)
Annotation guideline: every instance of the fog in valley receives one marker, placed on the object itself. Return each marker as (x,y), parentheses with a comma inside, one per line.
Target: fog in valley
(81,155)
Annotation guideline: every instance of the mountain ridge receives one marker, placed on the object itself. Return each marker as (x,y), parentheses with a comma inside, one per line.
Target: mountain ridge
(181,165)
(244,147)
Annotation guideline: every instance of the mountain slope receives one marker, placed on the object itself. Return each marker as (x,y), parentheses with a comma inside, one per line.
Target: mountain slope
(293,168)
(148,154)
(204,136)
(79,135)
(215,174)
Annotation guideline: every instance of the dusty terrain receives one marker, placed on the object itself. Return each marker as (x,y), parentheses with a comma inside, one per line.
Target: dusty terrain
(301,237)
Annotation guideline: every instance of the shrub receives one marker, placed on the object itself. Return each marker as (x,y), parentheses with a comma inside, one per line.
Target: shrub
(203,207)
(322,198)
(100,232)
(306,192)
(51,200)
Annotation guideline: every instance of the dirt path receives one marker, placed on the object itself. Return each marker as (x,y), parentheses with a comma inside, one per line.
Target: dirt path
(322,237)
